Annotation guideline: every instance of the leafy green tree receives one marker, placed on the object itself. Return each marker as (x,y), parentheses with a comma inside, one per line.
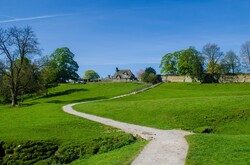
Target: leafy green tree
(230,64)
(16,43)
(149,76)
(48,74)
(191,63)
(28,81)
(213,69)
(4,90)
(150,70)
(29,76)
(169,63)
(198,68)
(65,65)
(91,74)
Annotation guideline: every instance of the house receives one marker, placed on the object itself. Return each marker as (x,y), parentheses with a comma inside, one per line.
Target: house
(124,75)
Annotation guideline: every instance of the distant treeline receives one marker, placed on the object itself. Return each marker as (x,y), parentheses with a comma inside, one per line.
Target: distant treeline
(207,65)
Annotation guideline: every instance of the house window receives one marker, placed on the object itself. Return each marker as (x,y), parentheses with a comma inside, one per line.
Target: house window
(118,77)
(125,74)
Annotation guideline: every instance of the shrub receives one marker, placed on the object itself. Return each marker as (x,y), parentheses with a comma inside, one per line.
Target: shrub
(70,152)
(28,152)
(49,152)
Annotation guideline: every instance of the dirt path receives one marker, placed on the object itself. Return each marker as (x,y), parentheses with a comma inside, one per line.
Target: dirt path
(167,147)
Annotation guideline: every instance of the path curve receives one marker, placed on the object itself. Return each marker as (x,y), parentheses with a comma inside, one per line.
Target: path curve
(167,147)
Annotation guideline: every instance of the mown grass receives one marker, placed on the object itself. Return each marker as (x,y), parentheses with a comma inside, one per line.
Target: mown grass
(42,118)
(220,109)
(214,149)
(120,156)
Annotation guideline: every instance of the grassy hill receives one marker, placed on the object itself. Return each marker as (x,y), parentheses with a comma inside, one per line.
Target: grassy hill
(219,113)
(39,129)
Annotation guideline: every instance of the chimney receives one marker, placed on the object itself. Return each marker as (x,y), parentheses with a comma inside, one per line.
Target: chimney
(116,69)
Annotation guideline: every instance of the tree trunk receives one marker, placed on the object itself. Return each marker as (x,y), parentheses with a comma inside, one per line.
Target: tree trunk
(14,98)
(46,90)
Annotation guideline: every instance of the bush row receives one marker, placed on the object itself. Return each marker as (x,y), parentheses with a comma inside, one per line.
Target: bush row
(50,152)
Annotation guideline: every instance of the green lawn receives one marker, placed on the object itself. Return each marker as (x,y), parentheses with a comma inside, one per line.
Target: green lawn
(214,149)
(41,119)
(223,110)
(120,156)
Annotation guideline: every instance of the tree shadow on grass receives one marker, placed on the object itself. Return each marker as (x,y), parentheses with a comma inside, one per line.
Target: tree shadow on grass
(75,100)
(66,92)
(28,104)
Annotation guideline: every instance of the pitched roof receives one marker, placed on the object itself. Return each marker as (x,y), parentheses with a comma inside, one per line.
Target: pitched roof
(124,74)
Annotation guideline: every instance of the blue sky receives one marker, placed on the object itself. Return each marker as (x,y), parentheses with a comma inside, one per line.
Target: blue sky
(129,34)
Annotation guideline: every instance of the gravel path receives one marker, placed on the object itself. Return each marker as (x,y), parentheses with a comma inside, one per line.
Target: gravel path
(167,147)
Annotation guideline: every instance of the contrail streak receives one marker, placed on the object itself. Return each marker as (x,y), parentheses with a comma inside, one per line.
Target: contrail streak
(33,18)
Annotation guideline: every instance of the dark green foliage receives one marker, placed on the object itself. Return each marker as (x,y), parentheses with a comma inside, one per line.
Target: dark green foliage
(69,152)
(198,67)
(150,70)
(2,154)
(149,76)
(5,96)
(209,78)
(31,152)
(48,74)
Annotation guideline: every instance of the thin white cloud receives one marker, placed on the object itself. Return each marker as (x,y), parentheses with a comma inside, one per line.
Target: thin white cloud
(6,16)
(33,18)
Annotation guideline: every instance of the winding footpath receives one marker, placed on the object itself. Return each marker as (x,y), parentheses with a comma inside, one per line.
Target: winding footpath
(166,147)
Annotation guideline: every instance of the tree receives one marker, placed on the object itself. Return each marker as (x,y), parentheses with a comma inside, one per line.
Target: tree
(198,67)
(149,76)
(29,76)
(48,74)
(169,63)
(16,43)
(2,92)
(212,54)
(150,70)
(28,82)
(139,73)
(214,69)
(1,70)
(245,53)
(230,64)
(191,63)
(65,65)
(91,74)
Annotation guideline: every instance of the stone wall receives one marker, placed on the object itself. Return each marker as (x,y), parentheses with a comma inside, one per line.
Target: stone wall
(170,78)
(235,78)
(223,79)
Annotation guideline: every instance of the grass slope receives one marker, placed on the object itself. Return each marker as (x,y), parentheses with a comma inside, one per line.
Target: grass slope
(221,109)
(43,119)
(121,156)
